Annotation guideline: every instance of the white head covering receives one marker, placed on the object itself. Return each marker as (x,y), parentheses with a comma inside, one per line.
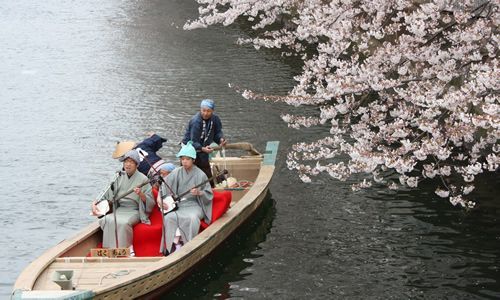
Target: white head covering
(133,155)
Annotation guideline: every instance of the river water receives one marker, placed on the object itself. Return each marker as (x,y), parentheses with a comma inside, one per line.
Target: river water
(77,76)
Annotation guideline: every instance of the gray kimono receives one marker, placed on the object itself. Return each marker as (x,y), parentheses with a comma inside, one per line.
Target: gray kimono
(191,209)
(131,210)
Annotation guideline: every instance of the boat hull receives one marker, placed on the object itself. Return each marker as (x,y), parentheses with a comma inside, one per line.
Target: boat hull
(144,276)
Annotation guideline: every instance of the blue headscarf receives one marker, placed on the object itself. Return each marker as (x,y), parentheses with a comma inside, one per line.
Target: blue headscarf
(167,167)
(208,103)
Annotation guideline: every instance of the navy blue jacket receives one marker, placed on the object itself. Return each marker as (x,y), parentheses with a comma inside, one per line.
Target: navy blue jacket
(150,145)
(194,133)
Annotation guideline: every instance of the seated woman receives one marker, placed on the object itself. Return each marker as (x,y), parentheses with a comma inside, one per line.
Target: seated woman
(183,224)
(132,209)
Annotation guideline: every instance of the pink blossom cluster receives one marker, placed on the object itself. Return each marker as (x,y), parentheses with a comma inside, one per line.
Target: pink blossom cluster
(410,88)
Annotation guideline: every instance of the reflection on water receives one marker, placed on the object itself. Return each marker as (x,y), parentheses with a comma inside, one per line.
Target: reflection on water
(226,269)
(436,248)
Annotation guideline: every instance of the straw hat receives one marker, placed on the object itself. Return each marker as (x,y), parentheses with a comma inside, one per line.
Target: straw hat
(122,148)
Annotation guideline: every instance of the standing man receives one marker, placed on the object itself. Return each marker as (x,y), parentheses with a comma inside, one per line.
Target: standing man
(204,129)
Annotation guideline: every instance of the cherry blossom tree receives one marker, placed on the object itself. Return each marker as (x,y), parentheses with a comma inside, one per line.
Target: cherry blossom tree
(408,88)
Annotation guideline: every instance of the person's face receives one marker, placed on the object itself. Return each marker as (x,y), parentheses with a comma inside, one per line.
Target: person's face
(206,113)
(187,162)
(164,173)
(129,166)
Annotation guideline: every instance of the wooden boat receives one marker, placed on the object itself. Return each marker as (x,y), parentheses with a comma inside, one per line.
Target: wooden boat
(143,277)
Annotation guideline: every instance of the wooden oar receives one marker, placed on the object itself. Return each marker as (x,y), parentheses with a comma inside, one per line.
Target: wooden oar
(240,146)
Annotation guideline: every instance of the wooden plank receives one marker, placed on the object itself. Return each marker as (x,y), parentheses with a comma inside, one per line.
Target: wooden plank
(87,277)
(29,276)
(271,153)
(110,252)
(97,267)
(57,294)
(90,270)
(120,260)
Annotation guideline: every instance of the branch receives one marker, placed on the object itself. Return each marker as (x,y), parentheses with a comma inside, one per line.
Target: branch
(476,16)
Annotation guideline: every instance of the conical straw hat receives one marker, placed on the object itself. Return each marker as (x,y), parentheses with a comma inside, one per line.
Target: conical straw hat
(122,148)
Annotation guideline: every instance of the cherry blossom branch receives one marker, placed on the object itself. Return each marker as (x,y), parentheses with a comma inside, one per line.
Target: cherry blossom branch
(406,87)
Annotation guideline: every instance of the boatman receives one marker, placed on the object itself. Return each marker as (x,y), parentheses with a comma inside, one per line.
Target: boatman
(183,224)
(132,209)
(203,129)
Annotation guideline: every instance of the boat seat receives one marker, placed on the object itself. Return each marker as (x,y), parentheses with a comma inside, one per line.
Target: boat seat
(220,204)
(147,238)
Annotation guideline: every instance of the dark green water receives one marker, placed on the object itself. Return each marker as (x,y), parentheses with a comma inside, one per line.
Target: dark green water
(78,76)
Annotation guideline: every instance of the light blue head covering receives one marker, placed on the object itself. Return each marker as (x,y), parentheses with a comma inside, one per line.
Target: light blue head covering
(133,155)
(208,103)
(187,150)
(169,167)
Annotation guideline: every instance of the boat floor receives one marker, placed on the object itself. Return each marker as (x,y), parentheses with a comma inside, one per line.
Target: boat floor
(92,272)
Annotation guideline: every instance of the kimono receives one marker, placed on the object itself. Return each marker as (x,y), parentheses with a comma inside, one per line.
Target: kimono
(131,210)
(190,210)
(150,145)
(203,133)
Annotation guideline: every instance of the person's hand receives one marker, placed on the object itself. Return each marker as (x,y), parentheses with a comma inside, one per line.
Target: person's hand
(141,195)
(160,202)
(165,205)
(95,211)
(223,142)
(207,149)
(137,191)
(195,192)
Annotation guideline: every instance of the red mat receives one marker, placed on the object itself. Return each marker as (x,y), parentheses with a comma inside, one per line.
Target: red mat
(147,238)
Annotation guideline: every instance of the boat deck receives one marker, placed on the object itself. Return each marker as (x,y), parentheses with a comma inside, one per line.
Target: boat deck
(90,272)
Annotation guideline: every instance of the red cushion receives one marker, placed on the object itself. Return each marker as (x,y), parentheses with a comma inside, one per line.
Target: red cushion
(220,204)
(147,238)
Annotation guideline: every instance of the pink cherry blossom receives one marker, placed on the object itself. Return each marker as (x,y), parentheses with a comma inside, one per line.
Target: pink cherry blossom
(405,86)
